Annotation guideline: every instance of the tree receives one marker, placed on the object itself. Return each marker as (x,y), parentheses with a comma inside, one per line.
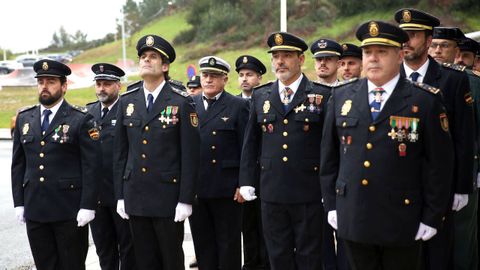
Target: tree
(132,17)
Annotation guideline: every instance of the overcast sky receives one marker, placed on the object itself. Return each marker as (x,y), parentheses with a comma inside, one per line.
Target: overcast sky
(30,24)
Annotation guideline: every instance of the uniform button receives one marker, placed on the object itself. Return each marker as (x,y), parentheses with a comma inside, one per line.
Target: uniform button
(71,186)
(42,179)
(41,155)
(130,125)
(263,167)
(406,201)
(369,146)
(147,128)
(285,146)
(364,182)
(214,161)
(307,120)
(315,168)
(164,126)
(443,218)
(144,156)
(337,190)
(366,164)
(285,134)
(285,159)
(144,170)
(285,121)
(476,157)
(264,120)
(213,147)
(41,167)
(344,124)
(371,128)
(214,133)
(174,180)
(42,143)
(98,202)
(145,142)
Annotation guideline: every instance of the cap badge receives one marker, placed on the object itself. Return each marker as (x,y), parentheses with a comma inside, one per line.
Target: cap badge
(322,44)
(345,47)
(373,29)
(278,39)
(45,66)
(149,41)
(193,78)
(407,16)
(212,61)
(245,60)
(101,68)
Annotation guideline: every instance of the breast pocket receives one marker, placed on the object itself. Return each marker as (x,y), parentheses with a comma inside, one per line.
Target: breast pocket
(346,122)
(131,122)
(266,118)
(26,139)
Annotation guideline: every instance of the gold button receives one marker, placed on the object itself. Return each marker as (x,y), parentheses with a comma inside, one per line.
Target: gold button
(130,125)
(42,143)
(41,167)
(285,121)
(371,128)
(144,156)
(147,128)
(307,120)
(71,186)
(144,170)
(214,161)
(285,159)
(364,182)
(264,120)
(407,201)
(42,179)
(443,218)
(285,134)
(214,133)
(344,124)
(145,141)
(174,180)
(315,168)
(263,167)
(285,146)
(366,164)
(369,146)
(98,202)
(164,126)
(337,190)
(476,157)
(41,155)
(213,147)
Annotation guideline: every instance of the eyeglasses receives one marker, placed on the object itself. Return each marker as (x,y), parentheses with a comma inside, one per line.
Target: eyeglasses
(442,45)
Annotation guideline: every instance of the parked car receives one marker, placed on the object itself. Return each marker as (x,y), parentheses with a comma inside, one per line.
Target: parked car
(63,58)
(28,59)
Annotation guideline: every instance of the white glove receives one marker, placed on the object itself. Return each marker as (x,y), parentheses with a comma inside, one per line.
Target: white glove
(182,211)
(425,232)
(19,213)
(121,209)
(332,219)
(478,180)
(248,193)
(459,201)
(84,216)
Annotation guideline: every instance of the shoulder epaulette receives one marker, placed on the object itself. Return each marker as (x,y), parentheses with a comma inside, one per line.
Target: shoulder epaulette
(79,108)
(345,82)
(475,73)
(177,85)
(321,83)
(129,91)
(134,86)
(427,87)
(455,66)
(26,108)
(180,92)
(265,84)
(91,103)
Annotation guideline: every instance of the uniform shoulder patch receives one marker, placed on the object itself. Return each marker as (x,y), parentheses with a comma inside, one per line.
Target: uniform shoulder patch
(180,92)
(263,85)
(134,86)
(79,108)
(345,82)
(130,91)
(476,73)
(454,66)
(177,85)
(427,87)
(26,108)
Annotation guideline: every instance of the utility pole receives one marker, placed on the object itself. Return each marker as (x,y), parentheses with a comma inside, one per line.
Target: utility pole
(283,15)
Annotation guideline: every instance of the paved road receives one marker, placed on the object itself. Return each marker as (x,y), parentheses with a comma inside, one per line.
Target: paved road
(14,249)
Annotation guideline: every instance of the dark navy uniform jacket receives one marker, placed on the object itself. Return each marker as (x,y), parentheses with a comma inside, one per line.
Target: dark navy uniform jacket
(54,175)
(287,144)
(381,184)
(222,129)
(156,154)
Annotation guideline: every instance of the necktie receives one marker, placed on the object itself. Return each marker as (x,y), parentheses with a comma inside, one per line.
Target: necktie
(414,76)
(149,102)
(209,101)
(46,121)
(287,93)
(376,103)
(104,112)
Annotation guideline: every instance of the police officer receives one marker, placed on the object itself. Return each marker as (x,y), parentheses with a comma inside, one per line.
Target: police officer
(350,62)
(419,66)
(283,132)
(156,154)
(54,165)
(326,53)
(385,179)
(193,86)
(111,233)
(250,71)
(216,222)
